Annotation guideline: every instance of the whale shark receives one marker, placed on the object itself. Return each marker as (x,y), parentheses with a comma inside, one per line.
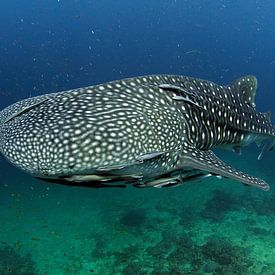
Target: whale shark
(147,131)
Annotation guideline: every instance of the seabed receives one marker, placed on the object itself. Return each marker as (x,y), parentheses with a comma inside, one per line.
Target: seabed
(210,227)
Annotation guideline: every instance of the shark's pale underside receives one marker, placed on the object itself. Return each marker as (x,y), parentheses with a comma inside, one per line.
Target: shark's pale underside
(153,130)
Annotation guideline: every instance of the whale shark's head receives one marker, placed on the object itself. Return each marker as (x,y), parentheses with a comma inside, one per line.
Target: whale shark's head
(15,142)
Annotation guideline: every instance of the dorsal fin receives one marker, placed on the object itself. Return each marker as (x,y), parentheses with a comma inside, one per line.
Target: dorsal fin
(246,87)
(267,115)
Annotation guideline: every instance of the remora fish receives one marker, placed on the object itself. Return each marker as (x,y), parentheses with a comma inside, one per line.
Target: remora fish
(147,131)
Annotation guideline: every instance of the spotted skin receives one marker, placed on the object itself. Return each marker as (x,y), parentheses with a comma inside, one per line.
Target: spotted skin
(147,131)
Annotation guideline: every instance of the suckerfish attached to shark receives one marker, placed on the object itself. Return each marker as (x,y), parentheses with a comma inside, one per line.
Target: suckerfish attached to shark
(155,130)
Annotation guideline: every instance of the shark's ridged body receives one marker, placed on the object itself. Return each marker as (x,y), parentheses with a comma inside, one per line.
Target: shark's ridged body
(151,131)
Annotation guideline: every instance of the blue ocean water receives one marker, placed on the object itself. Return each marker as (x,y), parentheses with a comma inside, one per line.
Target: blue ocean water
(214,227)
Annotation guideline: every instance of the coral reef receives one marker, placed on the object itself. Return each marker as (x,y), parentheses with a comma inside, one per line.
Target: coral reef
(228,258)
(133,218)
(188,217)
(128,258)
(219,205)
(11,262)
(183,256)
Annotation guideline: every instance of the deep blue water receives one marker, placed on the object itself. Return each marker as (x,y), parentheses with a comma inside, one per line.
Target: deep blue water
(58,45)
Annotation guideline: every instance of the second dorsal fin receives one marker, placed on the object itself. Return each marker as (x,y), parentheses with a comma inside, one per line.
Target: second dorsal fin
(246,87)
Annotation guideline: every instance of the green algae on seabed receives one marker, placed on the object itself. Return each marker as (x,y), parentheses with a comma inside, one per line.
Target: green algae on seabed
(212,227)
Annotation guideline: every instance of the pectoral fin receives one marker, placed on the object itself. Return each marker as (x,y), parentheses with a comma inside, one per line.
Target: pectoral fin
(208,161)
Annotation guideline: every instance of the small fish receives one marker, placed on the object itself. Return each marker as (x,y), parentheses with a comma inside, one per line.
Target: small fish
(156,130)
(193,52)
